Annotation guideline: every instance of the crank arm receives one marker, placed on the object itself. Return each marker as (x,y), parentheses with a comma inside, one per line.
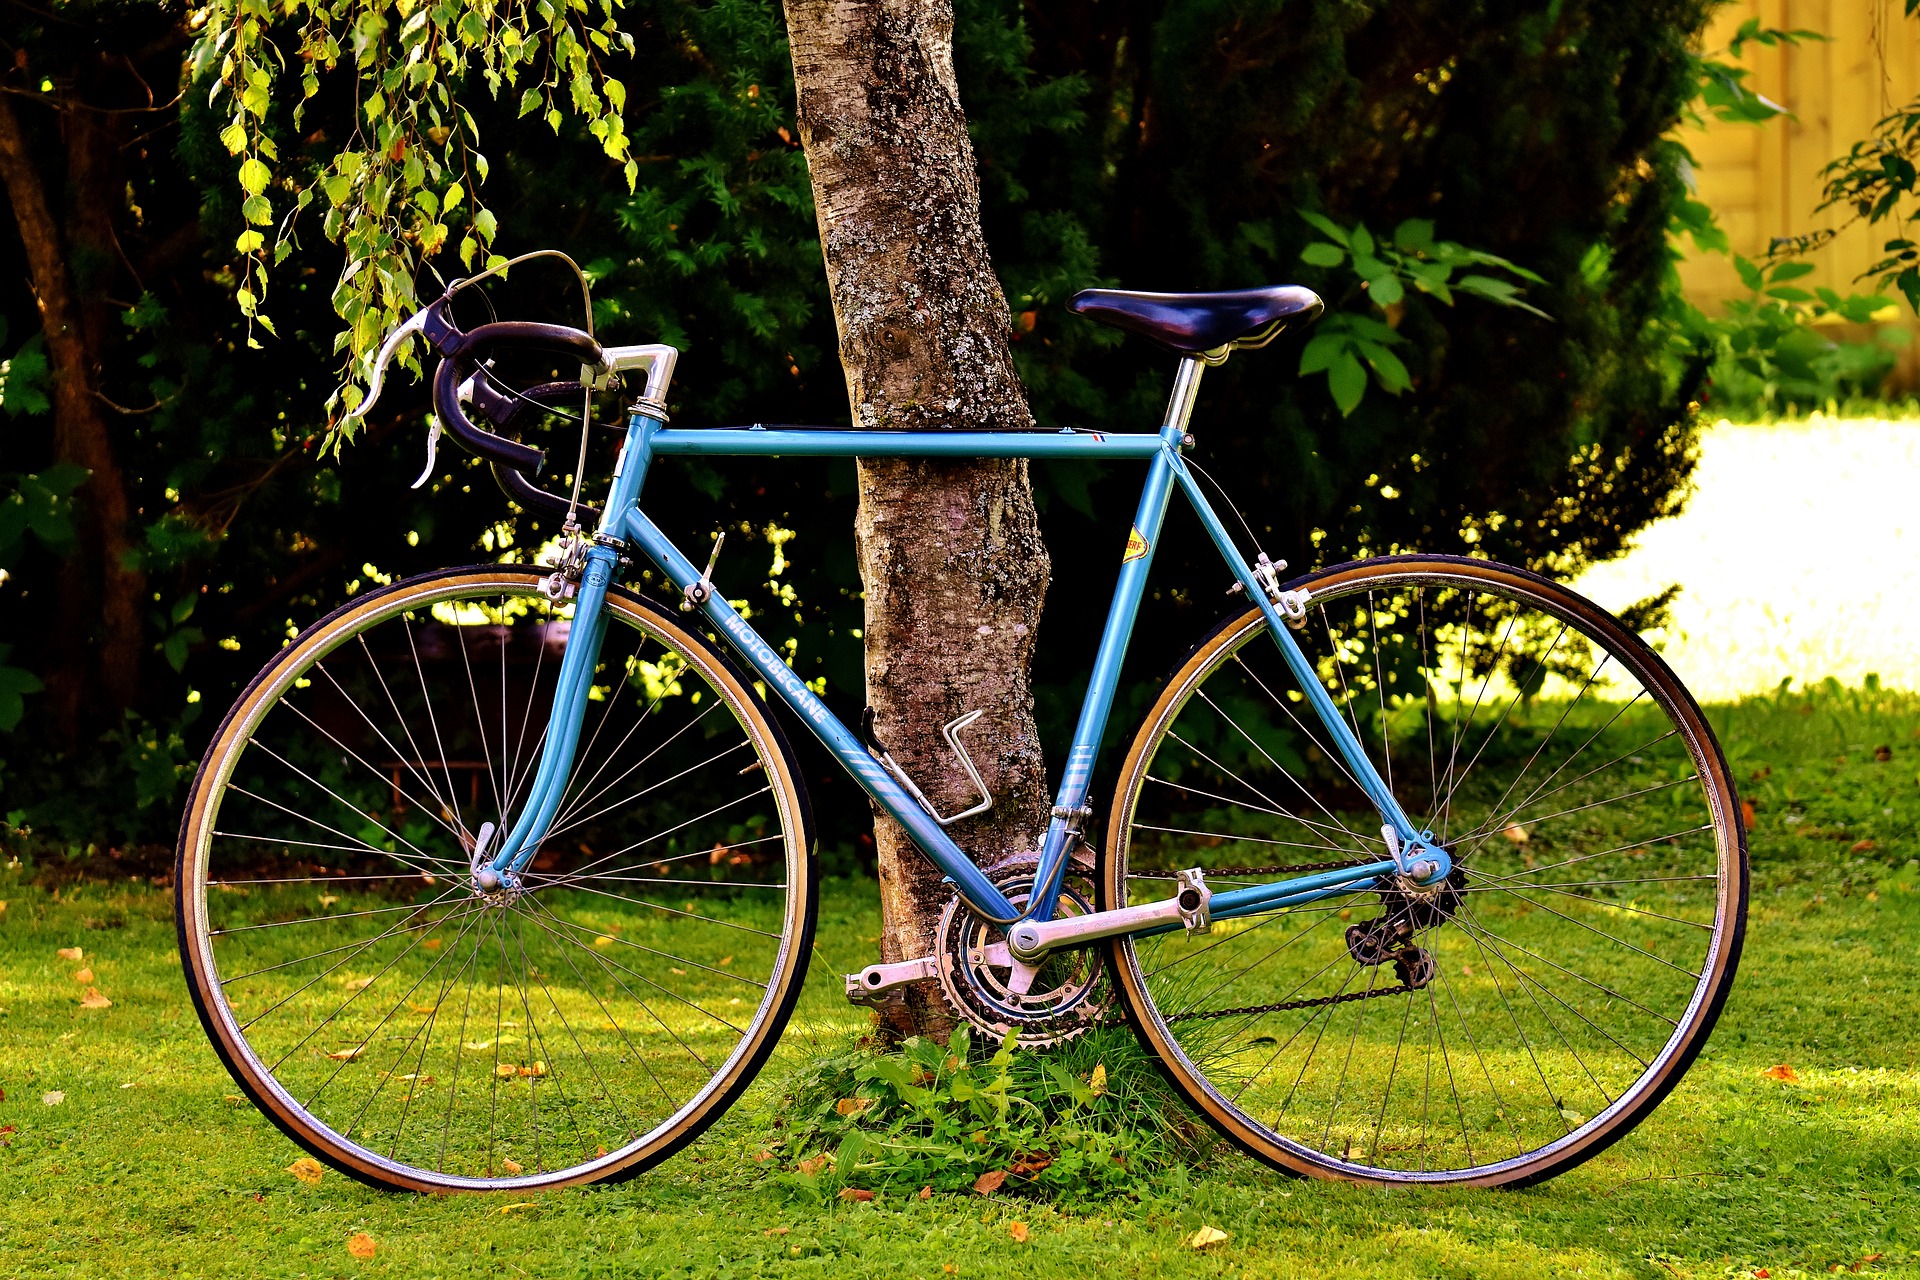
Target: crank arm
(1188,908)
(871,984)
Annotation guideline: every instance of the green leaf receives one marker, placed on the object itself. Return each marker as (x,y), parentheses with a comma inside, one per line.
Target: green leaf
(254,176)
(1386,290)
(1321,351)
(14,682)
(1347,379)
(530,101)
(1360,240)
(1786,271)
(1790,293)
(1387,369)
(1414,235)
(1368,267)
(1749,274)
(1322,254)
(1326,226)
(23,379)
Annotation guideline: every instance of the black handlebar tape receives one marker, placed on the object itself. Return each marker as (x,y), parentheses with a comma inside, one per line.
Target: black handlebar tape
(523,491)
(477,344)
(446,403)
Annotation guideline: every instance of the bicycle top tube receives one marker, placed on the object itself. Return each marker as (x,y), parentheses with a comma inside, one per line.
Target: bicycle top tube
(827,442)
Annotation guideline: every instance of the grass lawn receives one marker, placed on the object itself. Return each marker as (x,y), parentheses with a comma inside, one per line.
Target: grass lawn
(128,1152)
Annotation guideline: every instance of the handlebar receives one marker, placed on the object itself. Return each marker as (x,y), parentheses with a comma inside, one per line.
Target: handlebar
(464,378)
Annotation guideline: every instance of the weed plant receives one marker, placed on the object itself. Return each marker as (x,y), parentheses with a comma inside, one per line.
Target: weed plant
(1084,1120)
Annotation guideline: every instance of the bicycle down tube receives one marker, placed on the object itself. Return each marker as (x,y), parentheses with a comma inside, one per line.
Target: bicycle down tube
(649,438)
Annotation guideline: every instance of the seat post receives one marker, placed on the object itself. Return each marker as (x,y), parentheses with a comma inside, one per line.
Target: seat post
(1186,386)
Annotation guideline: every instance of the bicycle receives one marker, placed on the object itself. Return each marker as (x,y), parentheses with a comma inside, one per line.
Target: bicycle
(502,877)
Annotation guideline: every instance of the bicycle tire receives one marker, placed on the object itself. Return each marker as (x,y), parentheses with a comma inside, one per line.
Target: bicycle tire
(595,1126)
(1537,945)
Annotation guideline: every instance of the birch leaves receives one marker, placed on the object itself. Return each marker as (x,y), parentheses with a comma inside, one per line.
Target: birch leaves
(404,184)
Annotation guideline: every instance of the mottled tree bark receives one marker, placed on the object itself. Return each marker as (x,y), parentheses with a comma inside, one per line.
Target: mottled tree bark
(950,553)
(95,646)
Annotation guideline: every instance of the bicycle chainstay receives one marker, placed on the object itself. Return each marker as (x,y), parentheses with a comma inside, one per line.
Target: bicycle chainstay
(1285,1006)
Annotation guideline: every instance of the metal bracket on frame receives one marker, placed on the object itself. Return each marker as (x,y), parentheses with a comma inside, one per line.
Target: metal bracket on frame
(951,732)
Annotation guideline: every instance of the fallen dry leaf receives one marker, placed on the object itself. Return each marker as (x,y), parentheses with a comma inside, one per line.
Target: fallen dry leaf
(506,1071)
(989,1182)
(307,1169)
(948,1268)
(53,1097)
(1514,832)
(681,972)
(1206,1238)
(603,941)
(1863,846)
(72,953)
(926,1193)
(1030,1164)
(537,1069)
(328,899)
(1098,1080)
(763,1157)
(512,1166)
(518,1204)
(776,1231)
(433,944)
(83,975)
(94,1000)
(1762,1274)
(361,1245)
(1746,814)
(852,1106)
(1018,1230)
(855,1193)
(359,984)
(348,1055)
(813,1165)
(1782,1072)
(724,961)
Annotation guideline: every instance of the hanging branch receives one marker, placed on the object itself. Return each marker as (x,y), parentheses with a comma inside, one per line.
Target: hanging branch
(406,184)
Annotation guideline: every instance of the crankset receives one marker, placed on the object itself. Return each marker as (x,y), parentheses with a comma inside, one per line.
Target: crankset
(1043,1003)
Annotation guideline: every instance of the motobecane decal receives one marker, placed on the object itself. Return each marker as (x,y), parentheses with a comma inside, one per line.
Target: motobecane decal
(1136,546)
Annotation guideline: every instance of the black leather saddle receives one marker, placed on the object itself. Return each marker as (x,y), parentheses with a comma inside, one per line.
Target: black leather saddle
(1196,322)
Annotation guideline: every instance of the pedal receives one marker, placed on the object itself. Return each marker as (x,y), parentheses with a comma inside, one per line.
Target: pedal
(870,986)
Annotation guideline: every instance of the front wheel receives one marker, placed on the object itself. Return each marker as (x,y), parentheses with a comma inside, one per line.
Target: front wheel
(1497,1029)
(581,1023)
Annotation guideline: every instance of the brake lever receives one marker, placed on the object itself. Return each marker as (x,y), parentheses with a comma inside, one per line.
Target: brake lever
(411,325)
(465,395)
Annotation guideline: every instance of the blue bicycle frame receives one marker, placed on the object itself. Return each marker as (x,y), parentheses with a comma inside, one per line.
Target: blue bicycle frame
(648,437)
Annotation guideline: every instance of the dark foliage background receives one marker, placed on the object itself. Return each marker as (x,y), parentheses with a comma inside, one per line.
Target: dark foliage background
(1159,144)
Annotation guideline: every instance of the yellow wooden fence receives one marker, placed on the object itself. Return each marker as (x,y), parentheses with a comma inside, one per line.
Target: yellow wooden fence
(1765,180)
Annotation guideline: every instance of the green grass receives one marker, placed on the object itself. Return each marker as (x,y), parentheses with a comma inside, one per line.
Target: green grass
(151,1165)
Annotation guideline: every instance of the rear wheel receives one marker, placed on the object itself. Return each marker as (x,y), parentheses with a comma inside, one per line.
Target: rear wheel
(1506,1025)
(421,1035)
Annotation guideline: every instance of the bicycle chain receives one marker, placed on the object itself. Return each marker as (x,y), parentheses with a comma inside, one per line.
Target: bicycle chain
(1319,1003)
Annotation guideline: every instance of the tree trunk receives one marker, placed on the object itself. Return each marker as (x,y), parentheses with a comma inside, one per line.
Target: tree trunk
(950,553)
(95,646)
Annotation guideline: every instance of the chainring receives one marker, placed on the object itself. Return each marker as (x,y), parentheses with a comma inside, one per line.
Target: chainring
(1068,992)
